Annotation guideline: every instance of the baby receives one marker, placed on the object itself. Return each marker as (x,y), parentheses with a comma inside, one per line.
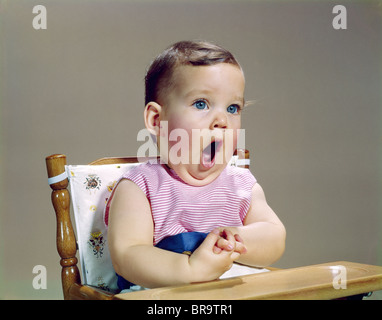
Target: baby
(218,214)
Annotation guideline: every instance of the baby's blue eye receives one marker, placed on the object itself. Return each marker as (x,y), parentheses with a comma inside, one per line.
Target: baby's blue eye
(233,108)
(200,104)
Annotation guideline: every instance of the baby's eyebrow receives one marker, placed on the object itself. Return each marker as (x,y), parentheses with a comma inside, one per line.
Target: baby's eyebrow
(241,99)
(197,92)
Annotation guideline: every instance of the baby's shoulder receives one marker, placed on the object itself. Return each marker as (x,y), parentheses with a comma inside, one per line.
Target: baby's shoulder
(238,171)
(143,169)
(146,174)
(239,175)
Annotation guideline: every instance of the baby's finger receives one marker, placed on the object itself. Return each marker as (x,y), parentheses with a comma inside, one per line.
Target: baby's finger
(228,235)
(224,244)
(240,247)
(235,256)
(211,239)
(217,249)
(238,238)
(227,241)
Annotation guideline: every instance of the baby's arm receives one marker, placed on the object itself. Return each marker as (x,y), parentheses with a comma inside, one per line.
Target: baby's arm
(134,257)
(263,233)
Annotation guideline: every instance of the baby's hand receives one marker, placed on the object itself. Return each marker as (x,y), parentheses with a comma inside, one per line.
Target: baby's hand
(229,242)
(209,261)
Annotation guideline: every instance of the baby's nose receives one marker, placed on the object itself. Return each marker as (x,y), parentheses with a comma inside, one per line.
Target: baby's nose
(220,121)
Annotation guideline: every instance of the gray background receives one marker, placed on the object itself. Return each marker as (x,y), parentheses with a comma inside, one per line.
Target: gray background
(314,132)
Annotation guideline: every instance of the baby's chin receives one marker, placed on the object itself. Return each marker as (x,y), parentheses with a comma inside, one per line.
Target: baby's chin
(197,175)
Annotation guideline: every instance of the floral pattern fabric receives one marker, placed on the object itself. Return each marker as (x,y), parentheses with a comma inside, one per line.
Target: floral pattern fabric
(90,188)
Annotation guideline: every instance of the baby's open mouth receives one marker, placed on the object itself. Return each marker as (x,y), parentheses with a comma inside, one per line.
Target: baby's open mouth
(209,153)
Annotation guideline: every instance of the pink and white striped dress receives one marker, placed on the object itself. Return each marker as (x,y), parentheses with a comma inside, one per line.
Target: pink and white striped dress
(178,207)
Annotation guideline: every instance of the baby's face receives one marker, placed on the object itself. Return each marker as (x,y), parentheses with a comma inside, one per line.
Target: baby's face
(205,102)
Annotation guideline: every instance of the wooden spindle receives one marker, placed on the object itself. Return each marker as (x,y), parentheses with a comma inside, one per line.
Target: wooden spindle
(65,238)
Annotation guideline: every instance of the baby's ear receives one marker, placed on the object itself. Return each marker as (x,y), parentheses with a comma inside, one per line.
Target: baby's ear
(152,117)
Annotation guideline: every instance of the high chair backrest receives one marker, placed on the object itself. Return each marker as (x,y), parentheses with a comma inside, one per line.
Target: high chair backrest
(90,187)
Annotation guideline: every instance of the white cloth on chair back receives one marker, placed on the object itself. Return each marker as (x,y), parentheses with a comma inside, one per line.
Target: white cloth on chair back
(90,187)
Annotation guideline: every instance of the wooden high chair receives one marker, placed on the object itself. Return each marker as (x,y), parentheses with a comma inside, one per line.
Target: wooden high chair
(312,282)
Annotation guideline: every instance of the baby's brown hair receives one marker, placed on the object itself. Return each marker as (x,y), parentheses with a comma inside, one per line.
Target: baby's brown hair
(194,53)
